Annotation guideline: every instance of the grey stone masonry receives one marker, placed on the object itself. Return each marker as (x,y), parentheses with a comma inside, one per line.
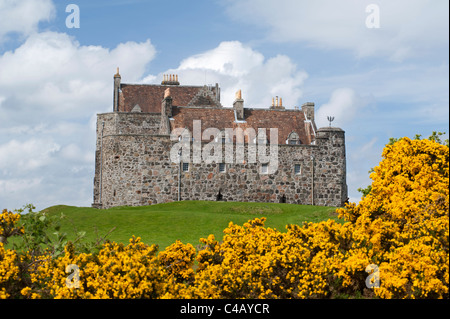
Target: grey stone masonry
(133,167)
(137,162)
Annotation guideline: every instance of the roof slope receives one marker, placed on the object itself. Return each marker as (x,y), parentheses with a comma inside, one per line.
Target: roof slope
(191,103)
(286,121)
(149,96)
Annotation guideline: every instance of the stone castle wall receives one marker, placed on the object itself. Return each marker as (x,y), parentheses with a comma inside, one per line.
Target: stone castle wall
(134,164)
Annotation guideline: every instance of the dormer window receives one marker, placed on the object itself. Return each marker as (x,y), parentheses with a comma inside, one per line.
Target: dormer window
(261,140)
(222,137)
(293,139)
(185,136)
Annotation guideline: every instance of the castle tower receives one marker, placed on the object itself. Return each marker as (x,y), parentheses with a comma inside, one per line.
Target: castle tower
(330,166)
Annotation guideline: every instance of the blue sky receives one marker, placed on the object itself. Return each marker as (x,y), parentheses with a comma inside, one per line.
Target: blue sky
(384,82)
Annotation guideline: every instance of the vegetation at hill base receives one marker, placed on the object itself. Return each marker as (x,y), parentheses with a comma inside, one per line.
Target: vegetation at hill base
(393,244)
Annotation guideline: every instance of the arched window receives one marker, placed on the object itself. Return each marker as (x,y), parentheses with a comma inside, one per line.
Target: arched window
(185,135)
(293,139)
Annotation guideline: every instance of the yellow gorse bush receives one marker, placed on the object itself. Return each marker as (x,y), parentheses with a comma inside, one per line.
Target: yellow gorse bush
(403,223)
(8,228)
(401,227)
(117,271)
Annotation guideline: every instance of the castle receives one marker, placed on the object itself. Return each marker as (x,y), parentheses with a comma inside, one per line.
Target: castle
(170,142)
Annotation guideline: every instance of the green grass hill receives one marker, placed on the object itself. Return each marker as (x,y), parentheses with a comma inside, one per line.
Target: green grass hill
(187,221)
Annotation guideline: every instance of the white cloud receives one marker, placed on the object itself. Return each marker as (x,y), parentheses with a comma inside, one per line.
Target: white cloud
(51,89)
(229,58)
(236,66)
(53,73)
(344,105)
(17,186)
(23,16)
(407,28)
(73,152)
(20,157)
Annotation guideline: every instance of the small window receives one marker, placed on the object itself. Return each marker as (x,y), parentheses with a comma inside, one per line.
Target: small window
(264,168)
(184,138)
(297,169)
(222,167)
(261,141)
(185,167)
(293,139)
(222,137)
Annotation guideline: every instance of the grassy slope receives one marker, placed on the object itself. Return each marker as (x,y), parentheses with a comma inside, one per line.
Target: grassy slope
(187,221)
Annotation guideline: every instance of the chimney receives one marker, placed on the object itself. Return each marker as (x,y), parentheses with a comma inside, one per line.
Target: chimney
(238,106)
(166,105)
(170,79)
(117,79)
(277,104)
(217,92)
(308,109)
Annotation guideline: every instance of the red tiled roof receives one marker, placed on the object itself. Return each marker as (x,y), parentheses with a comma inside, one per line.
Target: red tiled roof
(149,96)
(286,121)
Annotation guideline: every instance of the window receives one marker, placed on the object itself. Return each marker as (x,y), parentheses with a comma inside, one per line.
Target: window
(222,137)
(261,138)
(185,167)
(297,169)
(222,167)
(264,169)
(184,138)
(293,139)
